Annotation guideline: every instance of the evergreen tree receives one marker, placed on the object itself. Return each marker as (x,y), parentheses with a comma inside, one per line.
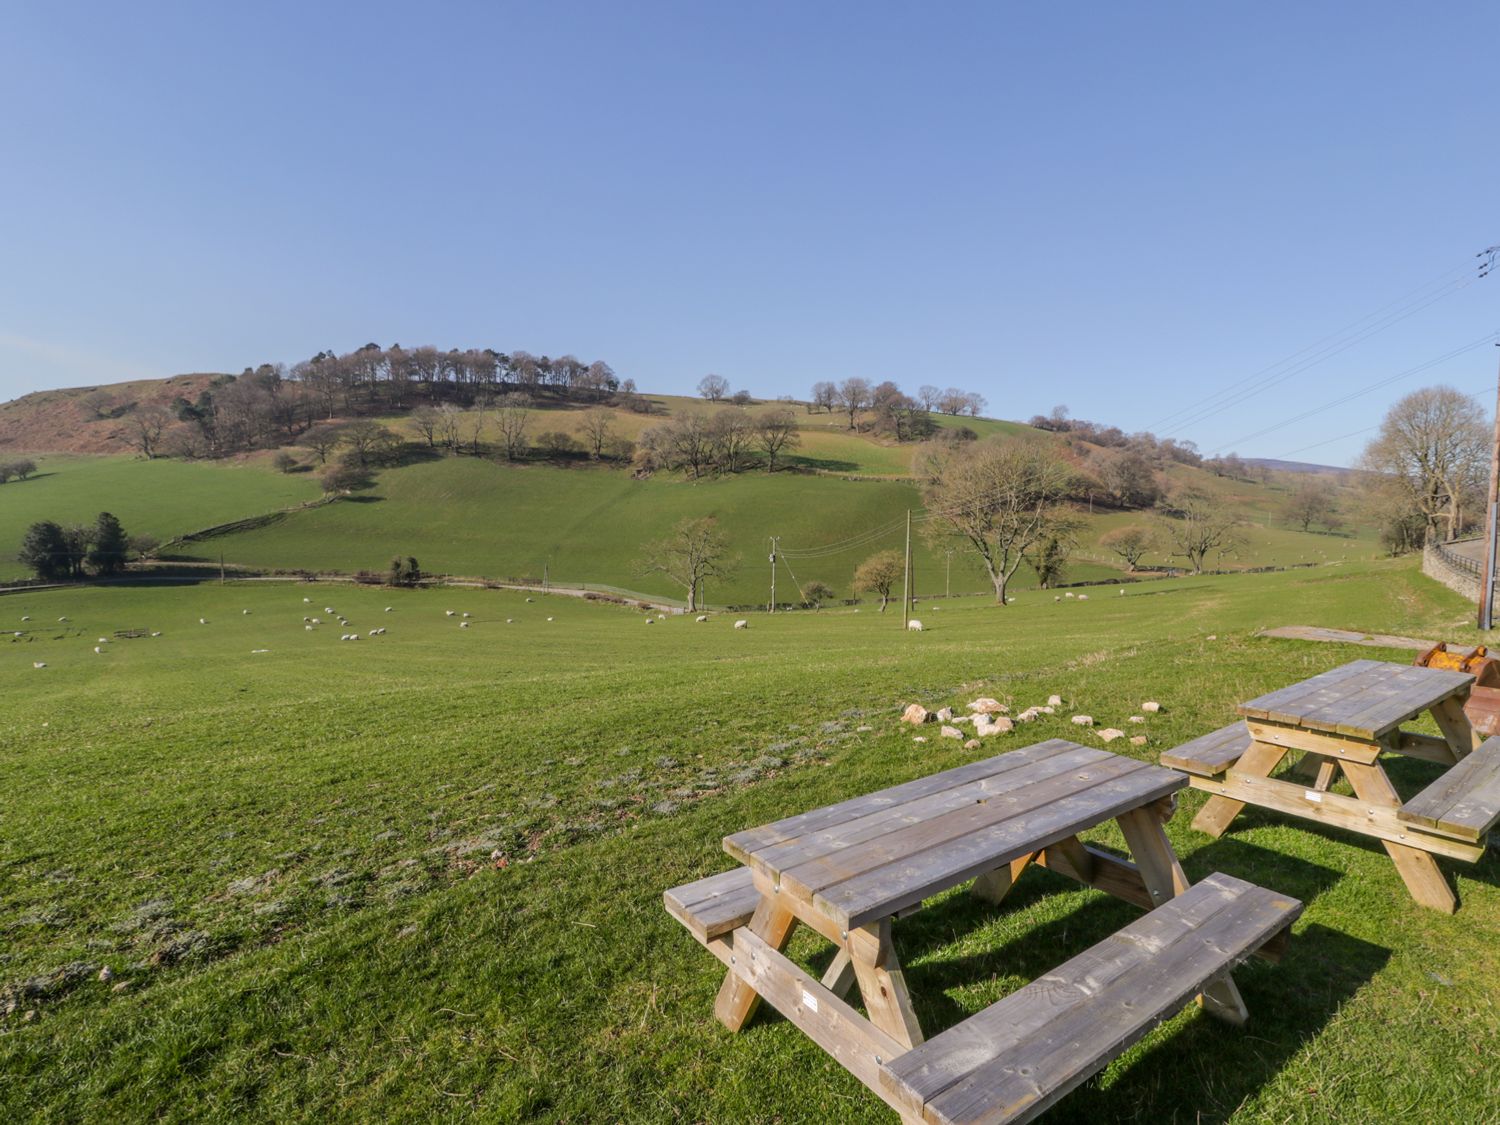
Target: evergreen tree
(44,550)
(110,546)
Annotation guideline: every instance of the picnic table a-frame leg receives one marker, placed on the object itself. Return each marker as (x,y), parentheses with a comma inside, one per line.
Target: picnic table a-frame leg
(1418,869)
(1160,870)
(1218,812)
(737,1001)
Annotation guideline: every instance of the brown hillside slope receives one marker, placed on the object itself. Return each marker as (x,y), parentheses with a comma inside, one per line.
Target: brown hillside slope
(87,419)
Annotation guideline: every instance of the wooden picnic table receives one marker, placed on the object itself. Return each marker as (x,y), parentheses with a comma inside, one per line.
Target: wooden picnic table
(848,870)
(1345,720)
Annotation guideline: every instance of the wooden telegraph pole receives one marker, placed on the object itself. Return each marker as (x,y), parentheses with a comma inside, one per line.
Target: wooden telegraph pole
(906,578)
(775,542)
(1487,582)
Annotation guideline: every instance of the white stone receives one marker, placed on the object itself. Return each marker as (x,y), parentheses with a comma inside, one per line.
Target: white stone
(1151,707)
(1109,734)
(919,738)
(972,744)
(951,732)
(944,714)
(1054,701)
(1136,719)
(987,706)
(1083,720)
(916,714)
(1138,740)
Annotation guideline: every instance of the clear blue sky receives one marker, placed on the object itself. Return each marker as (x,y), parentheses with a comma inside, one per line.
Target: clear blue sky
(1120,207)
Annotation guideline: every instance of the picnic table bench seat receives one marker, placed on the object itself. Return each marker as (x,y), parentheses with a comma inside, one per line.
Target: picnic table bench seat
(714,906)
(1211,754)
(1465,801)
(1017,1057)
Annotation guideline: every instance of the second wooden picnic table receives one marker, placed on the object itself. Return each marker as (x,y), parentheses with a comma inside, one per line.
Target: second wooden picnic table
(1344,720)
(848,870)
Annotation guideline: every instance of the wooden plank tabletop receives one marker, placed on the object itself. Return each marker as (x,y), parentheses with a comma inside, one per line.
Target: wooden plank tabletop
(867,858)
(1363,699)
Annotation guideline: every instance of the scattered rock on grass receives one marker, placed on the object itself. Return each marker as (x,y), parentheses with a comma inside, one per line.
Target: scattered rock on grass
(1083,720)
(916,714)
(1151,707)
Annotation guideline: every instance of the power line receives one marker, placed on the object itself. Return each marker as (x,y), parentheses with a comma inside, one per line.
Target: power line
(1375,386)
(1383,317)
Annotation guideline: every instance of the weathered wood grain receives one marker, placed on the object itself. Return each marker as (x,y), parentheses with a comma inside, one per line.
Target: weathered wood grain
(1211,754)
(1465,801)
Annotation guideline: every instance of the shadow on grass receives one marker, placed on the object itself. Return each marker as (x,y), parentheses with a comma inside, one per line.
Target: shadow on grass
(1200,1062)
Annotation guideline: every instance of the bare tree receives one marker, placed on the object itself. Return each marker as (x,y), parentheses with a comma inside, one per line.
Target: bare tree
(999,498)
(731,432)
(713,387)
(1198,527)
(854,395)
(1131,543)
(776,431)
(323,440)
(929,396)
(367,440)
(879,574)
(824,396)
(693,552)
(1433,444)
(1312,501)
(598,426)
(427,421)
(686,441)
(149,423)
(449,423)
(477,417)
(512,413)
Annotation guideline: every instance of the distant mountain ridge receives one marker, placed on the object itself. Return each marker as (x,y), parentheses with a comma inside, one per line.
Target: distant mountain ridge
(1279,466)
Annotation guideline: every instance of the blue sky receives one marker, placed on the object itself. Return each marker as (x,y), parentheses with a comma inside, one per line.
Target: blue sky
(1124,208)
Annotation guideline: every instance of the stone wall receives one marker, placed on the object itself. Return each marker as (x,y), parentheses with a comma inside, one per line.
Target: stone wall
(1453,570)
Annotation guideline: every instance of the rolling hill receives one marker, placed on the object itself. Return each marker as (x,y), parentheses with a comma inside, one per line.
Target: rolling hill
(577,522)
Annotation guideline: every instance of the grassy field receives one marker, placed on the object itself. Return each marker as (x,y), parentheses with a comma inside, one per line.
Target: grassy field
(162,498)
(419,875)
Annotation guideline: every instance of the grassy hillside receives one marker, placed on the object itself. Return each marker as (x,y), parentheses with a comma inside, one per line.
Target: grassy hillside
(161,498)
(419,876)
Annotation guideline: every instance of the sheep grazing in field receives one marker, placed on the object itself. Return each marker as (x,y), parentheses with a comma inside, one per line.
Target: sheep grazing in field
(742,624)
(345,637)
(389,609)
(702,617)
(1083,597)
(202,621)
(317,621)
(1069,594)
(62,619)
(329,609)
(1056,598)
(1122,591)
(354,636)
(531,599)
(510,620)
(307,601)
(98,651)
(28,619)
(246,612)
(156,634)
(913,626)
(309,628)
(549,619)
(104,640)
(447,613)
(652,621)
(40,664)
(467,615)
(463,624)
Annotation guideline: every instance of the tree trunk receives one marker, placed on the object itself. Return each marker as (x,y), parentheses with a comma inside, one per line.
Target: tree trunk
(692,606)
(885,600)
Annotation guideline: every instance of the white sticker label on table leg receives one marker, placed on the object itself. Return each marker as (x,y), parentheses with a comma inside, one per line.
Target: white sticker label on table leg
(1313,795)
(809,1001)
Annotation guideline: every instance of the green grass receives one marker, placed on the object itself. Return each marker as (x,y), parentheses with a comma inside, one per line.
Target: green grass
(471,516)
(161,498)
(287,857)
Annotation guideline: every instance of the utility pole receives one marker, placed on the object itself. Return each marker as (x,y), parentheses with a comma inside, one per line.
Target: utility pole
(221,568)
(775,543)
(545,576)
(948,574)
(1487,584)
(906,579)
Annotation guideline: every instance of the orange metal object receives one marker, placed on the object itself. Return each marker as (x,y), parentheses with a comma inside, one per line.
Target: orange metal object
(1483,704)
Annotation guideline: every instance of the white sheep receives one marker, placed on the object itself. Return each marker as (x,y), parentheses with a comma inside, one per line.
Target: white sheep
(466,615)
(742,624)
(354,636)
(39,664)
(702,617)
(104,640)
(309,628)
(510,620)
(156,634)
(1069,594)
(463,624)
(652,621)
(62,619)
(246,612)
(307,601)
(345,637)
(549,619)
(329,609)
(913,626)
(447,613)
(202,621)
(1083,597)
(317,621)
(28,619)
(531,599)
(98,651)
(389,609)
